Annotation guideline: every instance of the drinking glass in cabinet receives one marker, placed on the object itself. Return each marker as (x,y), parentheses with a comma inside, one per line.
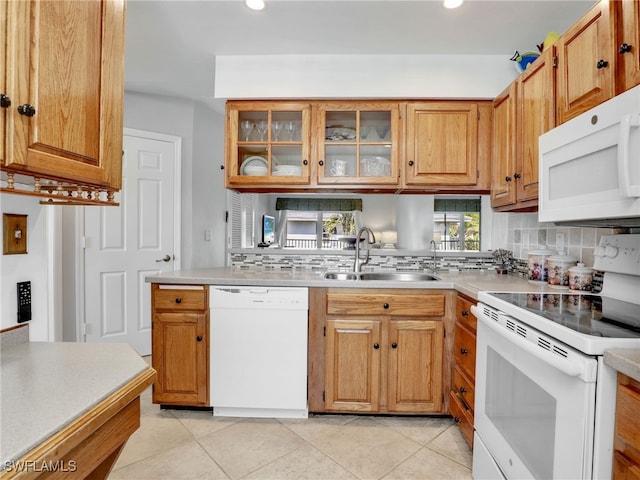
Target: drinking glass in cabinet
(246,127)
(276,128)
(290,128)
(382,131)
(262,127)
(364,131)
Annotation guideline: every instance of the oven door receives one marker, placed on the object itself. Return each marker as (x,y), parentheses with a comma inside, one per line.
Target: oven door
(535,401)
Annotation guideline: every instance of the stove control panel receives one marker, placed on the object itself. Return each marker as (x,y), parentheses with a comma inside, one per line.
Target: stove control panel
(619,254)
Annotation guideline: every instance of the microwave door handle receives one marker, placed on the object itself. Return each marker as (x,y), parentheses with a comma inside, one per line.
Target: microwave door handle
(624,173)
(568,367)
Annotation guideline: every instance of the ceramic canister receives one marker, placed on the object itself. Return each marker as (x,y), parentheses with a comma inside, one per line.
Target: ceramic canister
(580,278)
(559,266)
(538,268)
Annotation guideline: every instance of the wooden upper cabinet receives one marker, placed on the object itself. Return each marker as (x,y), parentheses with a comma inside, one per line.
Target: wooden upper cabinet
(64,75)
(503,191)
(357,143)
(627,14)
(586,63)
(535,115)
(268,144)
(441,143)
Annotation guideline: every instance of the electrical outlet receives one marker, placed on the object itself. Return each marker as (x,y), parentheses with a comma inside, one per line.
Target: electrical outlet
(24,301)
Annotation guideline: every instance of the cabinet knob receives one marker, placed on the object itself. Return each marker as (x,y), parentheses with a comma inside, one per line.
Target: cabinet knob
(411,163)
(394,345)
(464,351)
(221,167)
(385,306)
(5,102)
(463,390)
(305,162)
(199,338)
(457,420)
(465,313)
(516,176)
(178,300)
(376,346)
(602,64)
(321,162)
(27,110)
(507,179)
(624,48)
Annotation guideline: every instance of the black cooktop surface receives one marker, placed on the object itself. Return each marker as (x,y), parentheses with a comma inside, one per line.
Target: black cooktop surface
(587,314)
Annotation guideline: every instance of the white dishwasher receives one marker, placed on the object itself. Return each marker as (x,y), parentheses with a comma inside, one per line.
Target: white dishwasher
(259,351)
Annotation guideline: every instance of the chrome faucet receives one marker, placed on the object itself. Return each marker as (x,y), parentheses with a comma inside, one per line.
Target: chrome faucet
(435,261)
(369,239)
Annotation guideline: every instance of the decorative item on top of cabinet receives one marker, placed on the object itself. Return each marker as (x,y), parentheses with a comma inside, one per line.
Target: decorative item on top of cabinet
(524,111)
(586,63)
(63,124)
(626,444)
(462,394)
(445,146)
(180,344)
(627,44)
(357,143)
(384,351)
(267,145)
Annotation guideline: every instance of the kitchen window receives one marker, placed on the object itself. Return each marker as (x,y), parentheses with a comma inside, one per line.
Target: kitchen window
(456,224)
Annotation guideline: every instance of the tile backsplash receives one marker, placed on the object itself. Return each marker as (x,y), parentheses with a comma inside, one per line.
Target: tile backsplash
(524,234)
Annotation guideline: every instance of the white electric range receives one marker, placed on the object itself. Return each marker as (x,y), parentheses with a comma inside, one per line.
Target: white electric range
(545,400)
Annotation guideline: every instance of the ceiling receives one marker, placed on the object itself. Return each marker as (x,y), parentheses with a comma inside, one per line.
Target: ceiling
(172,44)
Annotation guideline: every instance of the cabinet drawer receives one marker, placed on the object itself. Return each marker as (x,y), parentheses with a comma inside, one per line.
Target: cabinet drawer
(464,315)
(465,350)
(464,387)
(462,417)
(370,303)
(627,418)
(189,297)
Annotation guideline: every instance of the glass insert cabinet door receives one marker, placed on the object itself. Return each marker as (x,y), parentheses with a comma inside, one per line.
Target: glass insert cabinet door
(268,141)
(358,143)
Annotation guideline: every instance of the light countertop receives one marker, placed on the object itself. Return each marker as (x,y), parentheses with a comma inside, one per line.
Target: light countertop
(467,282)
(625,361)
(46,386)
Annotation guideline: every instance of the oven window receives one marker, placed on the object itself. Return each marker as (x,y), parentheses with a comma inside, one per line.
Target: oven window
(523,413)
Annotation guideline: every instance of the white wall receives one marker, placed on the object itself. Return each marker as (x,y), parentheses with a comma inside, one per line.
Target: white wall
(32,266)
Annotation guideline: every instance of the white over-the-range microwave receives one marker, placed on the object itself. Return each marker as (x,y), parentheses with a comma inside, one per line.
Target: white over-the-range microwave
(590,166)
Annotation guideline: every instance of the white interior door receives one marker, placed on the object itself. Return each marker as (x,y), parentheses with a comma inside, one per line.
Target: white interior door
(140,237)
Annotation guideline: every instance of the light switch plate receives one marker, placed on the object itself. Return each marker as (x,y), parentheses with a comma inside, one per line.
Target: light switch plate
(14,233)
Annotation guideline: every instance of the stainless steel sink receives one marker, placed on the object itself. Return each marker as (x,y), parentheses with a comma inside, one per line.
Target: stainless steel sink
(382,276)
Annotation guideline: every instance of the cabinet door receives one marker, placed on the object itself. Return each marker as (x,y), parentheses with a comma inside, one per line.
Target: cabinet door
(585,63)
(65,77)
(442,143)
(358,143)
(268,143)
(503,190)
(180,355)
(352,368)
(415,366)
(627,13)
(535,116)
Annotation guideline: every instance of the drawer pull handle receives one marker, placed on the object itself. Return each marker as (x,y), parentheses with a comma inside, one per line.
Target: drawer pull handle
(464,351)
(385,306)
(394,345)
(199,338)
(376,346)
(463,390)
(457,420)
(465,313)
(178,300)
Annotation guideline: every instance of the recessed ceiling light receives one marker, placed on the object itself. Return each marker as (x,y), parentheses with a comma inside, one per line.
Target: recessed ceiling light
(254,4)
(452,3)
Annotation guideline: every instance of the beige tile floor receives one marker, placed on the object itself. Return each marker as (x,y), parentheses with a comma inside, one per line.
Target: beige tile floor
(179,444)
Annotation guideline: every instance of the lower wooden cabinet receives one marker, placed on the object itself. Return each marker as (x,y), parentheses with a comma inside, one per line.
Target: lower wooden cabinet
(462,394)
(626,455)
(180,344)
(378,351)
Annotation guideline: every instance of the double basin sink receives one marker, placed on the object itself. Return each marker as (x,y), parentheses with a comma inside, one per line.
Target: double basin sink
(382,276)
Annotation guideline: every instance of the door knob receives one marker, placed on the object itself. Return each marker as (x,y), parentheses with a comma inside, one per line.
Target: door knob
(5,102)
(394,345)
(376,346)
(166,258)
(199,338)
(602,64)
(27,110)
(464,351)
(624,48)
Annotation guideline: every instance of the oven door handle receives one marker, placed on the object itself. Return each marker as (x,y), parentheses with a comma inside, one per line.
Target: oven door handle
(568,367)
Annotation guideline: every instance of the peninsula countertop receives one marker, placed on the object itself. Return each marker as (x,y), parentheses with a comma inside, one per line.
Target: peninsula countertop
(466,282)
(51,391)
